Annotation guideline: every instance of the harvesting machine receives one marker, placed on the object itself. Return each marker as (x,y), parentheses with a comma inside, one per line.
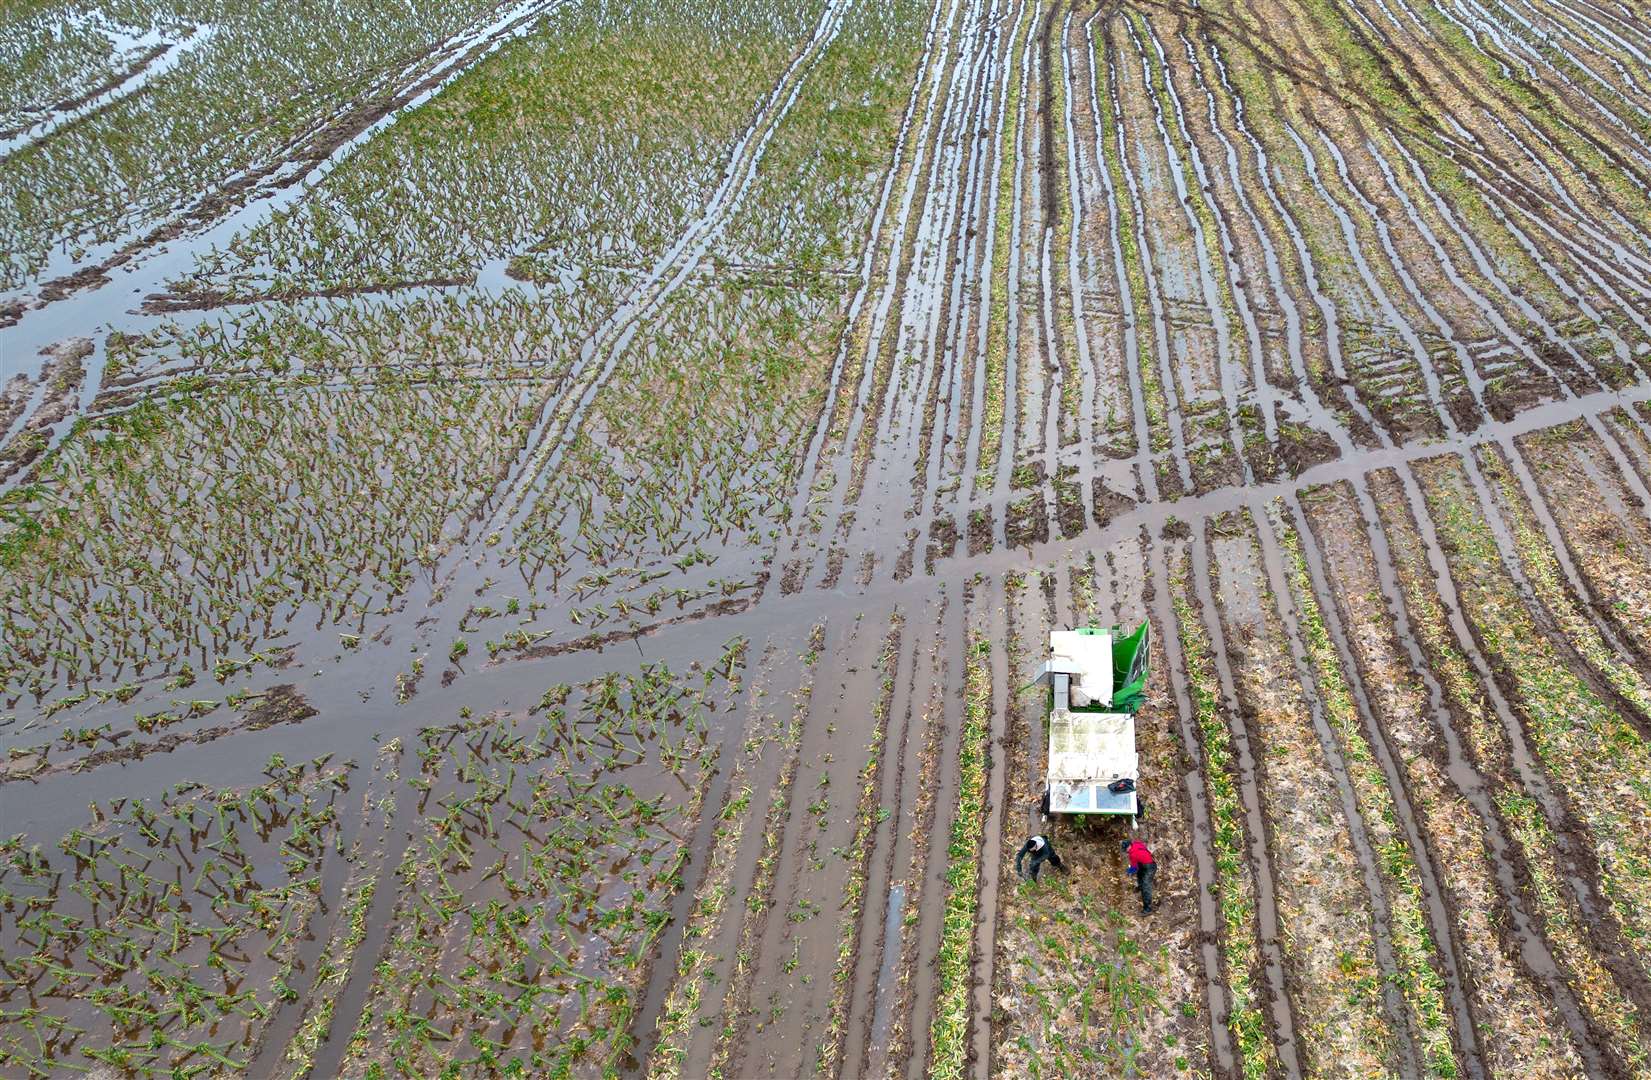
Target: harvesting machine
(1096,679)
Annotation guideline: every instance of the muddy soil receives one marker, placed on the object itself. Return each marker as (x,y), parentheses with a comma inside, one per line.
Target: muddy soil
(587,633)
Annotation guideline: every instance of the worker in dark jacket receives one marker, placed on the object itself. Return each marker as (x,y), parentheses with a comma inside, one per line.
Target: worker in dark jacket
(1042,851)
(1143,868)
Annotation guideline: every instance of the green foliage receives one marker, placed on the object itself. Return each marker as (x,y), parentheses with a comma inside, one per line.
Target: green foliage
(166,931)
(949,1028)
(541,875)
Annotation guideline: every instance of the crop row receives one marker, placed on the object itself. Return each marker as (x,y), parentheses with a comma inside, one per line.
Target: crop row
(1083,982)
(868,815)
(1235,887)
(538,877)
(1245,225)
(949,1028)
(257,85)
(737,997)
(162,935)
(714,917)
(1416,964)
(277,502)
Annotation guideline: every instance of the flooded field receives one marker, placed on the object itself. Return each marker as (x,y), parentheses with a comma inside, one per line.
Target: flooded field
(525,526)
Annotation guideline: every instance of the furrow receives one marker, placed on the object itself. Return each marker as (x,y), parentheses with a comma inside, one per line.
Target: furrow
(1217,296)
(1144,277)
(1536,953)
(1267,528)
(1281,1008)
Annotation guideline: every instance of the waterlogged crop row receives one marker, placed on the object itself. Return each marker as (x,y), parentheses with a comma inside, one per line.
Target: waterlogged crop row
(163,934)
(593,140)
(253,85)
(1407,294)
(540,874)
(693,443)
(949,1030)
(167,539)
(522,332)
(691,447)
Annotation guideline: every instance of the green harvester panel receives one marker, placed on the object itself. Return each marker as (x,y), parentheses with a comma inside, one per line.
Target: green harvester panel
(1129,657)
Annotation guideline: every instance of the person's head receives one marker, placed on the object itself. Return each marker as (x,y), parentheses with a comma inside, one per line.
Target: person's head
(1124,847)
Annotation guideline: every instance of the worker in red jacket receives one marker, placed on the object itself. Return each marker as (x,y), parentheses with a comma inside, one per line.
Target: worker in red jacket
(1143,868)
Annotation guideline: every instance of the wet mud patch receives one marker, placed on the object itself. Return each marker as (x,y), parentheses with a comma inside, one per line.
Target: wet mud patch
(980,531)
(1026,521)
(60,380)
(1069,508)
(1108,503)
(943,538)
(1520,803)
(1320,889)
(259,710)
(1302,446)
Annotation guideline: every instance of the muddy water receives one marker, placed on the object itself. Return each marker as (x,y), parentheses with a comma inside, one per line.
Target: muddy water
(868,265)
(1395,321)
(883,1016)
(1260,384)
(928,353)
(284,1024)
(1145,475)
(757,757)
(348,723)
(688,893)
(1079,196)
(877,330)
(895,448)
(1008,75)
(1326,306)
(350,1003)
(953,448)
(852,717)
